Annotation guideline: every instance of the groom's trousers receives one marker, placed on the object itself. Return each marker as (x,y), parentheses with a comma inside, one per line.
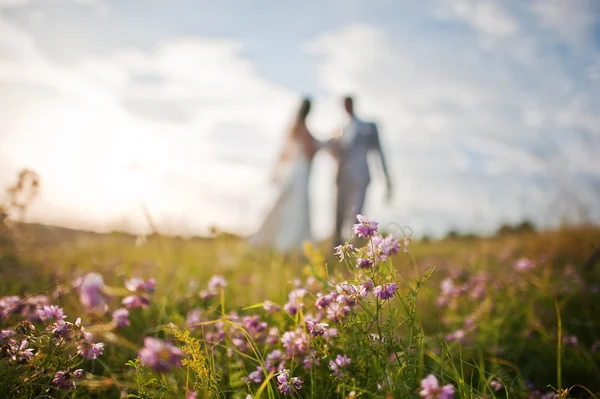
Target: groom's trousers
(350,200)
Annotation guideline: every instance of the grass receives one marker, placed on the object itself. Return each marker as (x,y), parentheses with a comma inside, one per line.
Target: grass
(531,330)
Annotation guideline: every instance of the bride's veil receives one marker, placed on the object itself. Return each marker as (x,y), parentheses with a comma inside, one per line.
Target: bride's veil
(290,147)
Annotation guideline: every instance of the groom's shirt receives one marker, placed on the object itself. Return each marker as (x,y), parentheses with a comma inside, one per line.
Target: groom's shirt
(356,140)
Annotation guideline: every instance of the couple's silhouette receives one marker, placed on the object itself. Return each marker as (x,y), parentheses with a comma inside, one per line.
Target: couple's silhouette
(288,225)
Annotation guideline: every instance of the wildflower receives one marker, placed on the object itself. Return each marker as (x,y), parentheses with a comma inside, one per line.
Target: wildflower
(50,313)
(191,395)
(286,385)
(159,354)
(135,301)
(337,312)
(256,376)
(497,385)
(385,291)
(339,364)
(216,282)
(324,300)
(595,346)
(271,307)
(364,263)
(206,295)
(343,250)
(136,284)
(66,379)
(88,349)
(571,340)
(432,390)
(276,356)
(523,265)
(120,316)
(390,246)
(368,285)
(272,336)
(365,228)
(316,329)
(291,308)
(90,291)
(457,335)
(295,341)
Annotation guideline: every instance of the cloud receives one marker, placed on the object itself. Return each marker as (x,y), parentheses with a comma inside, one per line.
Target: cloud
(571,20)
(168,111)
(486,16)
(462,119)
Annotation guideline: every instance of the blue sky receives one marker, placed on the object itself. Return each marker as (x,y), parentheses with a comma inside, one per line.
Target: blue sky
(487,108)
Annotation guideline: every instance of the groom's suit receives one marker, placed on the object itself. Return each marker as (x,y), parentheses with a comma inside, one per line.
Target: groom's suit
(356,140)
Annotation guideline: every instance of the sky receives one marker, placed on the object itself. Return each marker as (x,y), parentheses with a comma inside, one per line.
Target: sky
(488,109)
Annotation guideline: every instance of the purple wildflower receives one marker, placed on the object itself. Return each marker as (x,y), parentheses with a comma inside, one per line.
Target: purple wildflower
(66,379)
(271,307)
(324,300)
(191,395)
(432,390)
(256,376)
(364,263)
(385,291)
(136,284)
(216,282)
(272,336)
(120,316)
(206,295)
(390,246)
(457,335)
(135,301)
(337,312)
(276,356)
(286,385)
(523,265)
(51,313)
(365,228)
(570,340)
(497,385)
(160,355)
(90,291)
(194,317)
(316,329)
(339,364)
(343,250)
(88,349)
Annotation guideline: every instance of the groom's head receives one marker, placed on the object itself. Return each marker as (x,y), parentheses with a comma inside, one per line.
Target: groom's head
(349,105)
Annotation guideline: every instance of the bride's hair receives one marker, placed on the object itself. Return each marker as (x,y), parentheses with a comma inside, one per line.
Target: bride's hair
(303,110)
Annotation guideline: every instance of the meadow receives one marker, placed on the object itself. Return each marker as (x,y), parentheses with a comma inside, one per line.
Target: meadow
(108,316)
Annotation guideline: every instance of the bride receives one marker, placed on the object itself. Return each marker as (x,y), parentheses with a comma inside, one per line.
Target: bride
(287,225)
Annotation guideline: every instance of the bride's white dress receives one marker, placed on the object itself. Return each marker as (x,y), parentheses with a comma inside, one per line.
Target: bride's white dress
(287,225)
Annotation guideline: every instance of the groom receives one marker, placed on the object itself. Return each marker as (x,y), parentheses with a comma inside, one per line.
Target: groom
(351,146)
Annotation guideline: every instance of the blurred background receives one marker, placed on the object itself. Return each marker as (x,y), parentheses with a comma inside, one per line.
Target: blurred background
(488,110)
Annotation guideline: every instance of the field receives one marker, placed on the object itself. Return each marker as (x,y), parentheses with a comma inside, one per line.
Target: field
(513,316)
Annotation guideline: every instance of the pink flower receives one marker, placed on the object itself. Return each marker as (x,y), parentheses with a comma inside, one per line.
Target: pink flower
(160,355)
(216,282)
(51,313)
(432,390)
(385,291)
(120,318)
(271,307)
(90,291)
(339,364)
(523,265)
(365,228)
(88,349)
(66,379)
(286,385)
